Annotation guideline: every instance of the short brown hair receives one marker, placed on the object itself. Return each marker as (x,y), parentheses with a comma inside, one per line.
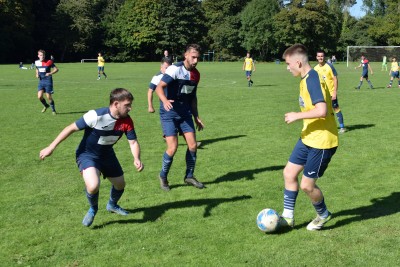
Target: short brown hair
(296,49)
(120,94)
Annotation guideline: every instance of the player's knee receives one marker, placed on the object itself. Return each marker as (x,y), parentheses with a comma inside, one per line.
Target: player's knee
(92,188)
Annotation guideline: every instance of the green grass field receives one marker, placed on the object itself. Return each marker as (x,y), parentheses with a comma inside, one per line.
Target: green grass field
(245,146)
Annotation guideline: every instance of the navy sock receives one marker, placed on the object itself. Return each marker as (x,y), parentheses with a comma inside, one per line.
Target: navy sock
(320,207)
(340,119)
(361,82)
(190,163)
(44,102)
(115,195)
(52,105)
(289,201)
(166,165)
(93,200)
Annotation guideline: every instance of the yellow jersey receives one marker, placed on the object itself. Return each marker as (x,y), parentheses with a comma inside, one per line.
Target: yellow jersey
(249,64)
(327,72)
(100,61)
(394,67)
(320,133)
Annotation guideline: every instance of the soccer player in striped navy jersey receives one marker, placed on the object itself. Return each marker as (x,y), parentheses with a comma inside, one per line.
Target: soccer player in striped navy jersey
(317,144)
(178,103)
(328,73)
(95,154)
(45,69)
(165,63)
(364,75)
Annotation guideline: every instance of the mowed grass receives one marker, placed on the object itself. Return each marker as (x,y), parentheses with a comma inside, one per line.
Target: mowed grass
(245,146)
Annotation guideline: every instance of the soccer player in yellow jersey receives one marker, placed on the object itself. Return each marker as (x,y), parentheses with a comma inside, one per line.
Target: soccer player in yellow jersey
(317,144)
(394,72)
(100,67)
(328,73)
(249,66)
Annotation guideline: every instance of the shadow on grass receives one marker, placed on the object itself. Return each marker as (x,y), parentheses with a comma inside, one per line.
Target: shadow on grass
(210,141)
(151,214)
(358,127)
(246,174)
(234,176)
(380,207)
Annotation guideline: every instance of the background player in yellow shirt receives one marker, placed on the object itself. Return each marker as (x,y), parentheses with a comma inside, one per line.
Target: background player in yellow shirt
(328,73)
(394,72)
(249,66)
(100,67)
(319,139)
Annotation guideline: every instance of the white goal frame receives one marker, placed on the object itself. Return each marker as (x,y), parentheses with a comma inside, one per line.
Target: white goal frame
(348,49)
(88,59)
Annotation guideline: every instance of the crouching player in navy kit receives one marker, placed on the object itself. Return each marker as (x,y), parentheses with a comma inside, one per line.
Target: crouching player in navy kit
(177,93)
(318,142)
(95,154)
(44,72)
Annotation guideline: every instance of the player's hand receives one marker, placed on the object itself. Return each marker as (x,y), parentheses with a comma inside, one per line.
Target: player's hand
(168,105)
(48,74)
(291,117)
(151,110)
(199,124)
(138,164)
(46,152)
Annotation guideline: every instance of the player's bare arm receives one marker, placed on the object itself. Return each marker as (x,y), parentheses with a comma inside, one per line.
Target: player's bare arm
(135,149)
(46,152)
(160,92)
(54,71)
(318,112)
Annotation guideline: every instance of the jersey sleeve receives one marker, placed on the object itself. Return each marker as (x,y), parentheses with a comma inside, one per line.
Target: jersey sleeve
(333,69)
(130,129)
(314,88)
(170,74)
(89,119)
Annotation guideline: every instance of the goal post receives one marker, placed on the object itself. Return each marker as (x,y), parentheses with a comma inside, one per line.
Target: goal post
(88,59)
(373,53)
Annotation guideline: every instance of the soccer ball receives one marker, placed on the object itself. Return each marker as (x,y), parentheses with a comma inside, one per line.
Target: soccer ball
(268,220)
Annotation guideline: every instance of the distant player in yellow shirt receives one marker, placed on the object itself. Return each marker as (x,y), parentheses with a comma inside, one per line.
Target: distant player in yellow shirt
(394,72)
(317,144)
(100,67)
(328,73)
(249,66)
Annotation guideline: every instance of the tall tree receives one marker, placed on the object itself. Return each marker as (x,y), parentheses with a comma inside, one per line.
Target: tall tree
(181,23)
(223,23)
(257,27)
(15,30)
(308,22)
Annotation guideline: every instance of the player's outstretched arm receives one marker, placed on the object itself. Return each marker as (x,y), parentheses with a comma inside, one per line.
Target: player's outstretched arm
(46,152)
(135,149)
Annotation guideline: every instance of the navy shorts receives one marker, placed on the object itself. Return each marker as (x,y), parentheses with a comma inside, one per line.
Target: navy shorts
(365,75)
(248,73)
(100,68)
(395,74)
(46,86)
(171,126)
(109,166)
(314,160)
(335,103)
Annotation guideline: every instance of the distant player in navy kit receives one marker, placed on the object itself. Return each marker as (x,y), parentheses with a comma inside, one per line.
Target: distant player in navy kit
(365,65)
(165,63)
(44,72)
(177,92)
(95,154)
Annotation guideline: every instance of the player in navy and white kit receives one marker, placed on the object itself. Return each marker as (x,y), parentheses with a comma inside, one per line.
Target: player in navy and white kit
(44,72)
(95,154)
(165,63)
(364,75)
(178,103)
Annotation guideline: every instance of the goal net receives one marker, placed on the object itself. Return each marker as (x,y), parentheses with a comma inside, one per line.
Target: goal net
(373,53)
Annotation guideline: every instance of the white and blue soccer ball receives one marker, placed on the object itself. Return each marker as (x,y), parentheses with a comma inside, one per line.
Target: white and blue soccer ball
(268,220)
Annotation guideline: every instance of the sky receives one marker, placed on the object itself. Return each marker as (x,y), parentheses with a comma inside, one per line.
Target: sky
(356,11)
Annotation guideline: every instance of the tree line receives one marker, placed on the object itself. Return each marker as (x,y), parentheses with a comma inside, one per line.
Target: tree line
(139,30)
